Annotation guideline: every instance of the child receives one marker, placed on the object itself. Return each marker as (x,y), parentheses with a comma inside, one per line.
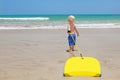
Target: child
(72,30)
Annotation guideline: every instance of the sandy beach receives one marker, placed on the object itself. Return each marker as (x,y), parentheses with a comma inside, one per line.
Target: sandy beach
(41,54)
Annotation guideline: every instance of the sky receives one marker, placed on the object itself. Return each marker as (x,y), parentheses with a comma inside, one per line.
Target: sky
(8,7)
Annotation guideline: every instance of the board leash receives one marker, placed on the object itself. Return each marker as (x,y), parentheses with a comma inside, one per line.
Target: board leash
(77,47)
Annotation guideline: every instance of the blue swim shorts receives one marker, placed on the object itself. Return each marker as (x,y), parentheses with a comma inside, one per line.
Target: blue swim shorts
(70,39)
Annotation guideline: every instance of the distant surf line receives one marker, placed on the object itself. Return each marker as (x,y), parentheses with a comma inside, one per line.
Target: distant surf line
(35,18)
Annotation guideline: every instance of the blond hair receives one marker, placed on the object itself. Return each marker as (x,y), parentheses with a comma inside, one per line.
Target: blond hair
(71,18)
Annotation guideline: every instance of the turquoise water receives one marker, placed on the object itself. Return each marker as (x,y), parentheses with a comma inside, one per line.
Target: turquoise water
(59,21)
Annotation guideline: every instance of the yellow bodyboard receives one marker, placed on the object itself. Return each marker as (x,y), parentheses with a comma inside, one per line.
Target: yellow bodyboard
(88,66)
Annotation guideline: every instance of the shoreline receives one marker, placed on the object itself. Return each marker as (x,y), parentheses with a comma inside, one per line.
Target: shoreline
(55,28)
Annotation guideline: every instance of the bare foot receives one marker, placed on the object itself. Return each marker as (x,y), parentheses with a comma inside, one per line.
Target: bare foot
(72,54)
(69,50)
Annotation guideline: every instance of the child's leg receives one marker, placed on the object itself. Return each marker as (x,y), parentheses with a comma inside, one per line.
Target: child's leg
(71,50)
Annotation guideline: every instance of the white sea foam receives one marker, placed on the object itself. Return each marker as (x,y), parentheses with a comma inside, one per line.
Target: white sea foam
(60,26)
(99,25)
(50,27)
(34,27)
(35,18)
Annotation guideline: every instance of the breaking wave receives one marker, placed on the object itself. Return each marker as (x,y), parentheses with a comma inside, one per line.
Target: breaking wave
(34,18)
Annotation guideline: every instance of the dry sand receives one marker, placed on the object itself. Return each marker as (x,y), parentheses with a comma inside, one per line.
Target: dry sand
(41,54)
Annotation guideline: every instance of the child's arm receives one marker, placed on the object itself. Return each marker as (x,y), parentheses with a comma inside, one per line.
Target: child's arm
(76,30)
(68,29)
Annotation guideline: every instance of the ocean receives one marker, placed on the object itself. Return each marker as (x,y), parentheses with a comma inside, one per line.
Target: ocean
(59,21)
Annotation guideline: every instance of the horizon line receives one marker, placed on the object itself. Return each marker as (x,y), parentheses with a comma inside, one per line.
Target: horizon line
(63,14)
